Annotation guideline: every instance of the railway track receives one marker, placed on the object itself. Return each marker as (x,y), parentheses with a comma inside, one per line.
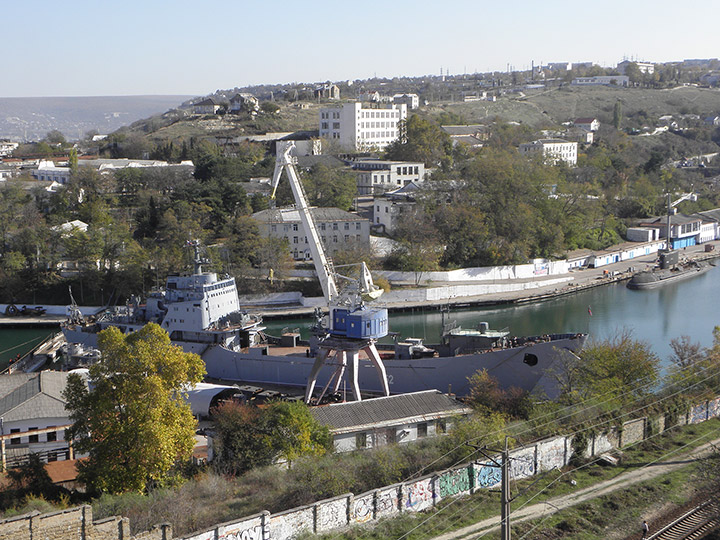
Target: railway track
(693,524)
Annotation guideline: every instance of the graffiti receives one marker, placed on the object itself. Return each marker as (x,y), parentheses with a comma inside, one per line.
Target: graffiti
(488,476)
(386,503)
(522,466)
(331,515)
(253,533)
(698,413)
(453,483)
(714,408)
(419,495)
(362,509)
(551,455)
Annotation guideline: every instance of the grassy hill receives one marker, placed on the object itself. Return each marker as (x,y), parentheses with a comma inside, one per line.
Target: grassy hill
(557,105)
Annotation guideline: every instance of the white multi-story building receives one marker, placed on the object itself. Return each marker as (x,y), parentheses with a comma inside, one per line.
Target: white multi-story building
(411,100)
(602,80)
(338,229)
(553,150)
(644,67)
(375,176)
(362,128)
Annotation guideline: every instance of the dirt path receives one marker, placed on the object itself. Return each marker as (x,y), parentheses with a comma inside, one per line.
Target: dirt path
(540,510)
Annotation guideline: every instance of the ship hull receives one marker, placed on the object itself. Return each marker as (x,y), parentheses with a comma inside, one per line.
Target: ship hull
(529,367)
(653,280)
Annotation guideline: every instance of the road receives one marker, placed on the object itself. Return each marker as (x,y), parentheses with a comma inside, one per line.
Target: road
(625,480)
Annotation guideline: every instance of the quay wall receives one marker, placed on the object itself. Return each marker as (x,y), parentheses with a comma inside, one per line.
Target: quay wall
(349,510)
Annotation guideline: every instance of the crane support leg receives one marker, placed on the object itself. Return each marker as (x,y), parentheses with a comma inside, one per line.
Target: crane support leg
(341,370)
(374,356)
(312,378)
(354,375)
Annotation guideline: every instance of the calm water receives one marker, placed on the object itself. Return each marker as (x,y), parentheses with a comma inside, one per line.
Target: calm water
(690,308)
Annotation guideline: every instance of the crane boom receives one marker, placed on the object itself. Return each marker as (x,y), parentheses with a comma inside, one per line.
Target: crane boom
(323,266)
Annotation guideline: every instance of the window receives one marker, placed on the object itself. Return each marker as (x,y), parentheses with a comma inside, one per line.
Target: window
(322,226)
(336,125)
(295,239)
(440,426)
(324,125)
(33,438)
(295,227)
(361,440)
(15,440)
(399,169)
(335,226)
(274,228)
(422,430)
(416,170)
(347,237)
(52,436)
(347,226)
(357,226)
(335,238)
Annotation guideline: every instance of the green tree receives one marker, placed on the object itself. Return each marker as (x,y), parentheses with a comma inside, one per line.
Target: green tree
(421,140)
(617,114)
(131,417)
(328,187)
(622,370)
(249,437)
(55,137)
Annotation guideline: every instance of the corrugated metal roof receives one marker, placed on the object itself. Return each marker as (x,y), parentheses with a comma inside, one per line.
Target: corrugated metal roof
(387,409)
(287,215)
(36,395)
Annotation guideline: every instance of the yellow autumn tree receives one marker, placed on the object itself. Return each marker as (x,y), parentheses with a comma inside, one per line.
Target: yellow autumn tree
(130,416)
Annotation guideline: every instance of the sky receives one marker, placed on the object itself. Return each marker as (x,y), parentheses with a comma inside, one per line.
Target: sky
(142,47)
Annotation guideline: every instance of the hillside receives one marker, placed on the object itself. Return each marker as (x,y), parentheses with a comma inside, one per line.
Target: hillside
(24,119)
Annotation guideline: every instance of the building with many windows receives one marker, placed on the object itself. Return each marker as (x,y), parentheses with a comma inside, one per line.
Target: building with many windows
(338,229)
(389,208)
(362,126)
(553,150)
(376,176)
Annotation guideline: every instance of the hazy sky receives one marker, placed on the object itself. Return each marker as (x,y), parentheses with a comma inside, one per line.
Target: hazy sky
(83,47)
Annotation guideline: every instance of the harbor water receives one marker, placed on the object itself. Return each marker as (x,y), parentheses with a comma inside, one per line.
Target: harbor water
(687,308)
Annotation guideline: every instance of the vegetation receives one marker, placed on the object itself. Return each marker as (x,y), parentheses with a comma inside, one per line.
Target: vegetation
(131,416)
(249,437)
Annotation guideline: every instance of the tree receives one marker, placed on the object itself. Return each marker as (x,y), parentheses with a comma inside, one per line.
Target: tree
(622,369)
(487,396)
(249,437)
(617,115)
(421,140)
(55,137)
(131,417)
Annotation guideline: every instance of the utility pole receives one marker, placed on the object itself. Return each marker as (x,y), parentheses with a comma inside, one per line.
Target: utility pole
(505,499)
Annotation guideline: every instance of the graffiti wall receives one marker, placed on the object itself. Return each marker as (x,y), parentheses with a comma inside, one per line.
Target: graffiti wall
(331,514)
(714,408)
(362,508)
(249,529)
(522,463)
(487,475)
(288,525)
(551,454)
(633,432)
(417,496)
(453,483)
(698,413)
(387,501)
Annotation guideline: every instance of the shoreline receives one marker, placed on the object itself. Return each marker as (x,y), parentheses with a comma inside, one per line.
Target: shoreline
(581,280)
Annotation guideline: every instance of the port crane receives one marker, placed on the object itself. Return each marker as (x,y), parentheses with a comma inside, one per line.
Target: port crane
(351,326)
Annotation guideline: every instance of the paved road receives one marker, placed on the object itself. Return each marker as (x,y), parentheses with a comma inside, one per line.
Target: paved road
(540,510)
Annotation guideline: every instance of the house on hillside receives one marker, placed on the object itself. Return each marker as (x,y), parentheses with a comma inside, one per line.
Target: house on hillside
(472,135)
(401,418)
(243,102)
(208,105)
(602,80)
(587,124)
